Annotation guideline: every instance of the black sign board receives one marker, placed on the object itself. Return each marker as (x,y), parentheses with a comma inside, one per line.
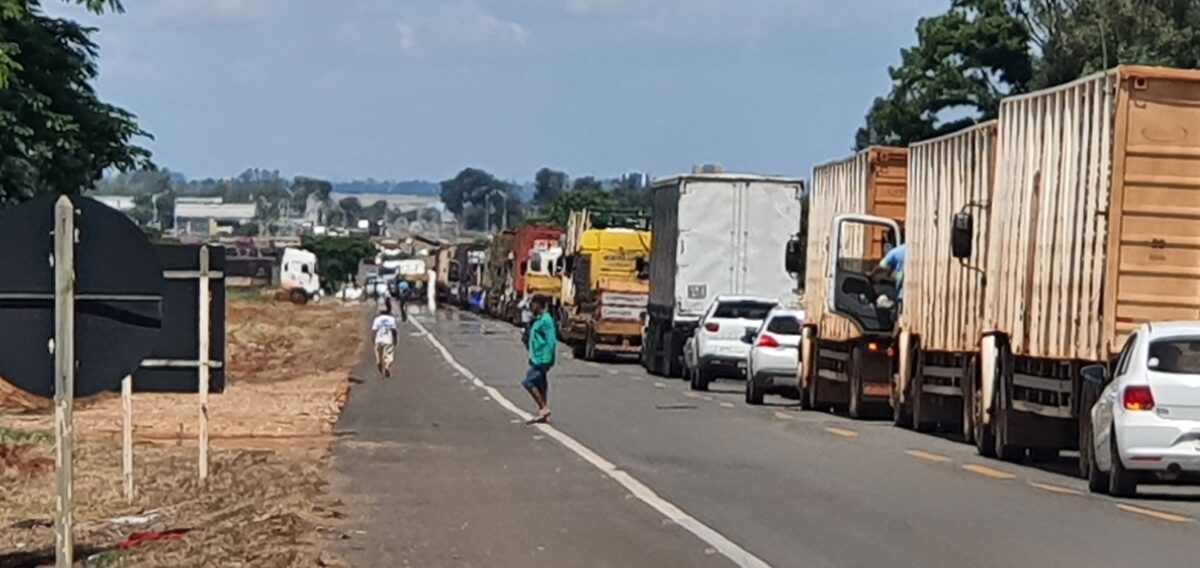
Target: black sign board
(118,308)
(173,365)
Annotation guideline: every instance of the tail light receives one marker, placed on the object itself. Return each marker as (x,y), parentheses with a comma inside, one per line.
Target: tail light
(712,327)
(1138,398)
(767,341)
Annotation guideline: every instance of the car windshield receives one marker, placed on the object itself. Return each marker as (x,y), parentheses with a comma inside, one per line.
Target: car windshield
(784,325)
(743,310)
(1176,355)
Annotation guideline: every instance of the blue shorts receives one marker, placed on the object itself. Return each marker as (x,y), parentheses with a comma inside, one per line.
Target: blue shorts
(535,377)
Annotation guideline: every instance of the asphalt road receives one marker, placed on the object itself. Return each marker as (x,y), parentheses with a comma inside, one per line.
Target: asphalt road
(788,487)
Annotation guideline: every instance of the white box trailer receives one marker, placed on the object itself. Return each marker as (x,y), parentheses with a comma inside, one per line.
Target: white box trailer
(714,234)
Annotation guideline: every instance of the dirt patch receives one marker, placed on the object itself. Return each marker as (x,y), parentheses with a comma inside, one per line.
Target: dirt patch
(263,504)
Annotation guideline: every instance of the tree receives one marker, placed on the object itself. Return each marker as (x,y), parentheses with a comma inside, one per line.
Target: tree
(560,211)
(352,208)
(548,185)
(376,212)
(474,189)
(964,62)
(56,135)
(338,258)
(586,184)
(629,194)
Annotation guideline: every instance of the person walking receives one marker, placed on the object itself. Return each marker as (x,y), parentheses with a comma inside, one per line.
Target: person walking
(402,291)
(386,337)
(543,344)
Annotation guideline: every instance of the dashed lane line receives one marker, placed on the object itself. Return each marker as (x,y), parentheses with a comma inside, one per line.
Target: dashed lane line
(1056,489)
(842,432)
(738,555)
(987,471)
(1160,515)
(659,385)
(783,415)
(926,456)
(726,405)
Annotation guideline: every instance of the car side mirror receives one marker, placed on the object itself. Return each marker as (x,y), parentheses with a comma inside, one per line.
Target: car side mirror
(793,259)
(962,234)
(1097,374)
(1153,364)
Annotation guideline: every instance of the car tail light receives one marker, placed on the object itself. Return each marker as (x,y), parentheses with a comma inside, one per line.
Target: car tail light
(767,341)
(712,327)
(1138,398)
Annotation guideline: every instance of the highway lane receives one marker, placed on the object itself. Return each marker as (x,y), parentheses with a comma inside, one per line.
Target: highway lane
(814,489)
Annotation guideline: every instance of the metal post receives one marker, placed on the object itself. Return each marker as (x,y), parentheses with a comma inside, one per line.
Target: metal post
(202,358)
(64,376)
(431,293)
(127,436)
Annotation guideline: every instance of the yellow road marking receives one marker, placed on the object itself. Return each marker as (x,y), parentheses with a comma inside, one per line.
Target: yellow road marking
(1160,515)
(987,471)
(1056,488)
(842,432)
(783,415)
(927,456)
(727,404)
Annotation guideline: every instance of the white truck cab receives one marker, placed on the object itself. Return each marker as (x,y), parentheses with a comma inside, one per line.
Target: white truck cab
(298,275)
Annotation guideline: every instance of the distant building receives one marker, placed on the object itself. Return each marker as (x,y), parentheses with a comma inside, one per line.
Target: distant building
(207,218)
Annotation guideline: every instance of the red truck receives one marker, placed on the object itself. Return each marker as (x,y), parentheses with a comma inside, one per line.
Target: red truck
(524,242)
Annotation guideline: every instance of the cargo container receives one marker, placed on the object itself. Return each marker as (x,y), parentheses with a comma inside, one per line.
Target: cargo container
(1094,228)
(856,209)
(949,178)
(714,234)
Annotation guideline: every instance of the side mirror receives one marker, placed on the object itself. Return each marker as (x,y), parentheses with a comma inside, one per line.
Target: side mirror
(1095,374)
(794,256)
(961,235)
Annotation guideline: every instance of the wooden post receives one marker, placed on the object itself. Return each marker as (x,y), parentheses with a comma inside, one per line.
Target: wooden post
(127,436)
(202,359)
(64,376)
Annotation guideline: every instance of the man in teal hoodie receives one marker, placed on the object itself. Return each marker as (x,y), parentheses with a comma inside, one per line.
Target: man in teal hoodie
(543,343)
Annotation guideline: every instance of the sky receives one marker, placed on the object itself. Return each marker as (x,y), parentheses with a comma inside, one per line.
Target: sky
(419,89)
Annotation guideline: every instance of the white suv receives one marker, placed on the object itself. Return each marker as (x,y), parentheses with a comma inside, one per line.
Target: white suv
(774,354)
(1146,423)
(716,348)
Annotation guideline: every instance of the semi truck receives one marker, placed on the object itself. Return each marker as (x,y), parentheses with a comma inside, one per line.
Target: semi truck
(856,210)
(511,254)
(1092,230)
(605,287)
(714,234)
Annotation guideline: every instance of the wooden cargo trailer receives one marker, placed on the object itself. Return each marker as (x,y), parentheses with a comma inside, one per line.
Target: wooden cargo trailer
(942,319)
(839,363)
(1094,229)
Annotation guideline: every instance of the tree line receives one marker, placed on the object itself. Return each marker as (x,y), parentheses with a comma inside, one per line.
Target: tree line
(969,58)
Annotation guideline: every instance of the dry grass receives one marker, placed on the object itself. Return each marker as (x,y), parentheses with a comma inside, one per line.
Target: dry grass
(271,430)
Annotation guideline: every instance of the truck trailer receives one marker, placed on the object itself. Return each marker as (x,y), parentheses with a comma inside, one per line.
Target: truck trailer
(605,287)
(714,234)
(1093,229)
(856,210)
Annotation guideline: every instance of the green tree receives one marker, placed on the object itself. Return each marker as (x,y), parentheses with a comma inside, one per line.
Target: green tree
(586,184)
(547,186)
(352,208)
(559,212)
(338,258)
(56,135)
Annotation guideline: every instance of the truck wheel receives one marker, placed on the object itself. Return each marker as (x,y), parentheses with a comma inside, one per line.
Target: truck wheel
(700,379)
(985,434)
(673,367)
(577,351)
(854,407)
(1004,450)
(589,346)
(968,400)
(1121,481)
(812,394)
(298,297)
(754,391)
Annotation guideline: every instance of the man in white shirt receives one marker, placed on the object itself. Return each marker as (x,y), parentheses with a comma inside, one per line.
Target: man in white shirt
(386,337)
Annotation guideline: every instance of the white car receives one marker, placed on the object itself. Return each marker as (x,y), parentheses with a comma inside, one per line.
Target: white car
(1146,423)
(774,354)
(716,348)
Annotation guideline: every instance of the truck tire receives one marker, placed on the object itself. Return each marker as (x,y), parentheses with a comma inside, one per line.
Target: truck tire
(1121,481)
(854,407)
(968,386)
(754,392)
(589,345)
(810,397)
(578,351)
(673,366)
(298,297)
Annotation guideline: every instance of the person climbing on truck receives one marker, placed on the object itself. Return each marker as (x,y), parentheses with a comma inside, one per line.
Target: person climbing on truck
(893,265)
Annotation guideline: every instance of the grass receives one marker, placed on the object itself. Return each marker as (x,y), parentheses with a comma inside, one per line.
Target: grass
(14,437)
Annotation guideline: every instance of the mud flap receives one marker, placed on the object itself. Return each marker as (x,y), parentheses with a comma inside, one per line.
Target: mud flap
(900,388)
(808,350)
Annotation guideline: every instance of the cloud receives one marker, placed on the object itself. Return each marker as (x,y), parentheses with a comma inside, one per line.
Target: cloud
(457,26)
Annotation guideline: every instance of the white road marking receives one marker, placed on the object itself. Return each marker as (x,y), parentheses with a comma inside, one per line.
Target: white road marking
(614,371)
(673,513)
(727,405)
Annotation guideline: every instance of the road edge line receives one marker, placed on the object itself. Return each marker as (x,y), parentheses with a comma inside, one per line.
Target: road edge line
(643,492)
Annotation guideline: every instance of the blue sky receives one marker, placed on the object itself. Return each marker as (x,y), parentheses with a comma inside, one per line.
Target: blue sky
(422,88)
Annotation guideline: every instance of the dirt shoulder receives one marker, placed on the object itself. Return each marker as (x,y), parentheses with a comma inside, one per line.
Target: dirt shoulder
(265,501)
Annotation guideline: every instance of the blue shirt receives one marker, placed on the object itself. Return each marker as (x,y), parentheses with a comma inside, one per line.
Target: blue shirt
(894,262)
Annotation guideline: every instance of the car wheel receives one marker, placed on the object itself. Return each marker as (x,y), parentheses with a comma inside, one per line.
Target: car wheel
(700,379)
(1121,481)
(1097,480)
(754,391)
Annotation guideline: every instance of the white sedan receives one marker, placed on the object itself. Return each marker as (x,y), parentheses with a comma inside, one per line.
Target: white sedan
(1146,424)
(774,354)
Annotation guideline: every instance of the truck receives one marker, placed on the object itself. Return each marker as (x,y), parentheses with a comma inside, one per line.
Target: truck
(1092,230)
(510,260)
(605,287)
(715,234)
(938,340)
(298,280)
(856,211)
